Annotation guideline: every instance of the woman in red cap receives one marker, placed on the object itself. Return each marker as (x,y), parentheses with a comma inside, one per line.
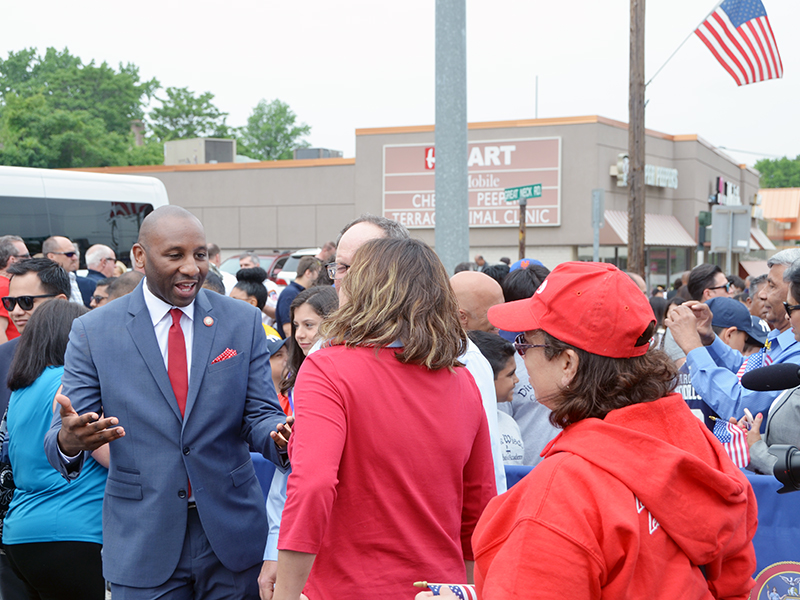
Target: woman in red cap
(634,498)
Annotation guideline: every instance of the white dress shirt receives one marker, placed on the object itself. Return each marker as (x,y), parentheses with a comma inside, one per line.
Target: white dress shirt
(162,321)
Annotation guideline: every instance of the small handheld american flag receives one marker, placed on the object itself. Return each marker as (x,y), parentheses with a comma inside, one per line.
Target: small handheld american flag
(734,440)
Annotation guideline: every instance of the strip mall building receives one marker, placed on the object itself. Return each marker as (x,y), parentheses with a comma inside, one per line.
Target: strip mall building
(304,203)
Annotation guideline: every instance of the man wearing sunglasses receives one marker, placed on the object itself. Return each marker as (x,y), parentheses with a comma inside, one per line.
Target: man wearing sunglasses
(100,262)
(12,249)
(61,250)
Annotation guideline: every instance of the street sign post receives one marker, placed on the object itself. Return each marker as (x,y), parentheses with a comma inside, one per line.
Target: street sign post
(598,219)
(522,194)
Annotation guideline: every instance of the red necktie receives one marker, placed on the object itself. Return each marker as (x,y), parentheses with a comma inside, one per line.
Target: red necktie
(176,364)
(176,360)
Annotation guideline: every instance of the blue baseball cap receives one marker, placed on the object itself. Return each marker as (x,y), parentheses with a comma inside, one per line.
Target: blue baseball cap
(275,343)
(524,263)
(728,312)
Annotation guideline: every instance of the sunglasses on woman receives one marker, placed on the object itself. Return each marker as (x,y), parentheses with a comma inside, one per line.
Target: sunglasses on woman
(25,302)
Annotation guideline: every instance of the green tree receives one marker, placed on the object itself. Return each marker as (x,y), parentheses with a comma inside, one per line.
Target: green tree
(35,135)
(271,132)
(115,96)
(184,115)
(56,112)
(779,172)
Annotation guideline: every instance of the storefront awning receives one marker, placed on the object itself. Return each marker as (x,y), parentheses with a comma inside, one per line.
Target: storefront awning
(754,268)
(781,204)
(759,240)
(659,230)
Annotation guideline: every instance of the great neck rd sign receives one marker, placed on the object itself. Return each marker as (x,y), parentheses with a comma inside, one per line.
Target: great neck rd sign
(409,182)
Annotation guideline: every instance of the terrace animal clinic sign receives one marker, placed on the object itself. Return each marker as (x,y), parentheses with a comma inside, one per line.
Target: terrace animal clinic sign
(409,182)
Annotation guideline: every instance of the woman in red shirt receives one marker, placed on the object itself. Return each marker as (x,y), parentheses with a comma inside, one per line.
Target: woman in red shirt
(391,457)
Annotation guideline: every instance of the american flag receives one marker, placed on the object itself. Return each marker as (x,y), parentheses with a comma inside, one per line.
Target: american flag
(740,38)
(734,440)
(462,592)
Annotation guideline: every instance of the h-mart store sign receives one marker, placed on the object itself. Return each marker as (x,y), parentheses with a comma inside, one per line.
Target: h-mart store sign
(409,182)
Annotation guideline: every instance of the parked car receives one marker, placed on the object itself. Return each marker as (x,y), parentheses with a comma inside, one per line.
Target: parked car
(289,271)
(271,263)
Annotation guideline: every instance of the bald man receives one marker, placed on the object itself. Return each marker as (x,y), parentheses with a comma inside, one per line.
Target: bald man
(61,250)
(476,293)
(182,380)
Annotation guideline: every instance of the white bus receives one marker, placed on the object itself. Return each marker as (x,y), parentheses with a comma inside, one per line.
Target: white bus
(88,208)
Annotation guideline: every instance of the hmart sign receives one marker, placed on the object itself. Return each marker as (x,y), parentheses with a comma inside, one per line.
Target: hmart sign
(409,182)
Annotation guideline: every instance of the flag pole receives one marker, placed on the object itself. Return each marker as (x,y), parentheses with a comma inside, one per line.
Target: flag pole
(683,42)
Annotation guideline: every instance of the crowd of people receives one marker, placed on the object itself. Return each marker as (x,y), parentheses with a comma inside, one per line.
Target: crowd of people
(390,395)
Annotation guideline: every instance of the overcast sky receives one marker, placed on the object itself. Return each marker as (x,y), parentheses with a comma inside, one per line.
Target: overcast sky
(370,63)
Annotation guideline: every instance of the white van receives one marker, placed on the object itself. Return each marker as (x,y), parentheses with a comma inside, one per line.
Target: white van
(88,208)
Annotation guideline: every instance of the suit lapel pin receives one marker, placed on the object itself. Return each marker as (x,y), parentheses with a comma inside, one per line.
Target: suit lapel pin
(208,321)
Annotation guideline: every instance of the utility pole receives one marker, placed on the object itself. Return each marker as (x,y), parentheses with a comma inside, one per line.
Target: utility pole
(452,191)
(636,190)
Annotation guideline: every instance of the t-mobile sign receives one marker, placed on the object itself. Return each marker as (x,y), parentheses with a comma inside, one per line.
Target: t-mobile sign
(409,182)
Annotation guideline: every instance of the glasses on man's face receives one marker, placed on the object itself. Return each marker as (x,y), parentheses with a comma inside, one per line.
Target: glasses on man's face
(102,260)
(522,346)
(727,287)
(67,254)
(25,302)
(336,270)
(99,299)
(790,308)
(25,256)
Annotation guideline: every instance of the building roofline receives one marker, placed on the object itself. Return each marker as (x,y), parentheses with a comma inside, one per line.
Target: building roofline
(267,164)
(581,120)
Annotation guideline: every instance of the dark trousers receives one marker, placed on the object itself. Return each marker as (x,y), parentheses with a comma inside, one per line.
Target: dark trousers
(199,574)
(59,570)
(11,586)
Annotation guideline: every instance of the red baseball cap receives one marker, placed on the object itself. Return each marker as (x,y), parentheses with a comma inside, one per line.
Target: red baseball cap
(592,306)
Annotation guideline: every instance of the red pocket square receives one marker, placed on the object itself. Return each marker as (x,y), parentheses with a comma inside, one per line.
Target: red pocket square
(224,356)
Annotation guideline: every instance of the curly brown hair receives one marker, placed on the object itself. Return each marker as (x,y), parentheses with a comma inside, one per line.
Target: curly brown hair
(398,289)
(602,384)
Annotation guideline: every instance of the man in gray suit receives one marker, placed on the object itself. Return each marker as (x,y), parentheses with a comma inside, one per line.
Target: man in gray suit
(180,377)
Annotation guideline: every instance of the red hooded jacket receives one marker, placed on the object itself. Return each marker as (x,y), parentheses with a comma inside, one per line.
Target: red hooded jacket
(623,507)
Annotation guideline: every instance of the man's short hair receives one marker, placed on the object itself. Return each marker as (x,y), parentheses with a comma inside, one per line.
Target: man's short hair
(213,250)
(756,283)
(214,283)
(252,255)
(124,284)
(391,229)
(308,263)
(522,283)
(50,245)
(784,257)
(53,278)
(97,253)
(105,281)
(701,278)
(8,249)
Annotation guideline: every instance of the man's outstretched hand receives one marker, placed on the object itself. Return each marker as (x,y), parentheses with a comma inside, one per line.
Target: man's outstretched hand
(84,432)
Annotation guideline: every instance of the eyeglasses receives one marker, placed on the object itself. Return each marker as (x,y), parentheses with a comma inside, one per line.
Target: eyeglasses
(336,270)
(102,260)
(522,347)
(25,256)
(67,254)
(727,287)
(99,299)
(790,308)
(25,302)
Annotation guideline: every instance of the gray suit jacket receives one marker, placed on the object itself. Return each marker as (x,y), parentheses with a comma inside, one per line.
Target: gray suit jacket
(114,366)
(782,427)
